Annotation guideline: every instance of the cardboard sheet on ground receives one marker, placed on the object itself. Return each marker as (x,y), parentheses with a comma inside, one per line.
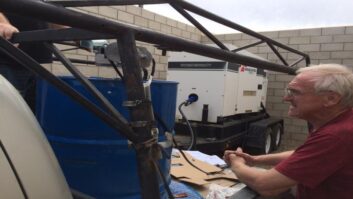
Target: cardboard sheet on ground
(183,171)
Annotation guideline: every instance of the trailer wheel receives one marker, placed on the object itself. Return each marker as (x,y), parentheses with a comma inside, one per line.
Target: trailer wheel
(268,142)
(266,146)
(277,132)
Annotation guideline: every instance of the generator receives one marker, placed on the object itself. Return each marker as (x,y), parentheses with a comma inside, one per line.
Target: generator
(227,101)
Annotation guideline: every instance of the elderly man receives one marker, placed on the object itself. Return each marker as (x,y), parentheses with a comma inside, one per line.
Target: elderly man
(323,166)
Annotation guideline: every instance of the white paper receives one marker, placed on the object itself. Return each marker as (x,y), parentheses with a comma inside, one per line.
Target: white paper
(211,159)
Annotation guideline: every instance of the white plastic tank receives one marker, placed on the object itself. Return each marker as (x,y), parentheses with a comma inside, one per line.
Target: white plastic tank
(28,166)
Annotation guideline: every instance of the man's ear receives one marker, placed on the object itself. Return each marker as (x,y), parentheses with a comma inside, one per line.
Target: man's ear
(332,99)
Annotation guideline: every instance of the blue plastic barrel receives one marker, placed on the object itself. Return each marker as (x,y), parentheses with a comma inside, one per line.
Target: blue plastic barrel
(95,159)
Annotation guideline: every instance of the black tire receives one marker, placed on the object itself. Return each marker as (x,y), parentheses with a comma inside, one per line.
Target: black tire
(266,146)
(277,132)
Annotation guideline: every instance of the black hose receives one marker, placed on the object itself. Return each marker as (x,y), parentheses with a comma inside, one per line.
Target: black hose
(145,74)
(153,67)
(164,125)
(192,134)
(187,160)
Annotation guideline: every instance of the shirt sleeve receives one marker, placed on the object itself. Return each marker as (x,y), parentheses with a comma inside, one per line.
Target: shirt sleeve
(318,158)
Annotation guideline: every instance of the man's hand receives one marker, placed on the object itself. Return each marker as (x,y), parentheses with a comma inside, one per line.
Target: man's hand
(249,159)
(7,30)
(235,159)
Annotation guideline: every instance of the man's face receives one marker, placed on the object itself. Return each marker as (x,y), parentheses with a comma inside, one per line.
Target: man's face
(304,102)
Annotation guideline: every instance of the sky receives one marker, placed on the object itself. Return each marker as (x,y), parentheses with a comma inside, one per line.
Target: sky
(269,15)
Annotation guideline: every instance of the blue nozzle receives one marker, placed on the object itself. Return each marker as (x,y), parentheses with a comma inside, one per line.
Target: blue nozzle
(191,99)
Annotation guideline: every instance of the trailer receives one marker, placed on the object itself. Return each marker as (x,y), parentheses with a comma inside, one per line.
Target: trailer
(225,104)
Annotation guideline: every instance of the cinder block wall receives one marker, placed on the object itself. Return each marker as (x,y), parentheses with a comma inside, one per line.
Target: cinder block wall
(324,45)
(129,15)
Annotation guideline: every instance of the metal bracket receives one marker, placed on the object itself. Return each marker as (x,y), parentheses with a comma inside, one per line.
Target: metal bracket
(136,103)
(140,124)
(149,143)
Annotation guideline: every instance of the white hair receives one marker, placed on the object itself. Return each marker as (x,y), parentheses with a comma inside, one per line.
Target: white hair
(333,77)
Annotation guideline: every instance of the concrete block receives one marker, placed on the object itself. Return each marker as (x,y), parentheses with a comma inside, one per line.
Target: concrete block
(134,10)
(274,99)
(252,50)
(186,35)
(76,56)
(348,46)
(122,8)
(83,52)
(91,9)
(88,71)
(160,19)
(241,43)
(60,70)
(107,72)
(289,33)
(157,52)
(319,55)
(171,22)
(272,56)
(310,32)
(309,47)
(333,31)
(154,25)
(349,30)
(161,67)
(108,12)
(166,29)
(273,112)
(295,129)
(140,21)
(271,76)
(280,85)
(265,49)
(47,66)
(342,54)
(299,40)
(321,39)
(283,40)
(181,26)
(280,107)
(263,55)
(147,14)
(195,37)
(192,29)
(162,75)
(300,137)
(206,40)
(177,32)
(271,35)
(332,47)
(270,91)
(280,91)
(246,36)
(163,59)
(343,38)
(330,61)
(284,78)
(348,62)
(231,37)
(314,61)
(126,17)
